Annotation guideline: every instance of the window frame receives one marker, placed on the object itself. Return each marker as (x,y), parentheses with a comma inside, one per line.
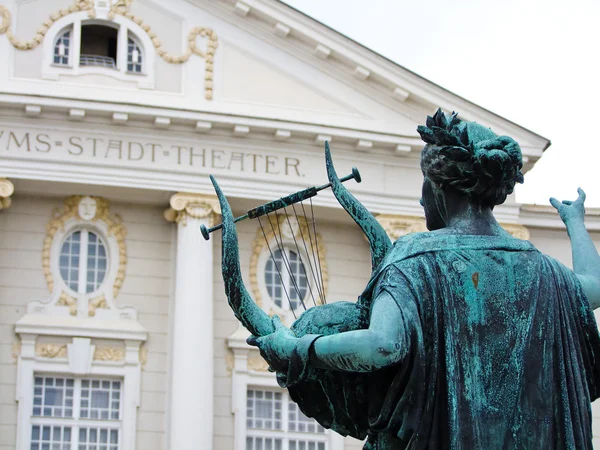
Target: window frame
(125,27)
(83,261)
(285,434)
(76,422)
(131,36)
(69,55)
(268,303)
(78,362)
(244,378)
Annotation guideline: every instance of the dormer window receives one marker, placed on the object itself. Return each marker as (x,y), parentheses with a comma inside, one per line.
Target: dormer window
(117,47)
(62,48)
(99,46)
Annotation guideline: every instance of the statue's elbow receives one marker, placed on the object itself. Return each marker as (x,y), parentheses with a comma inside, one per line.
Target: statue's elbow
(387,353)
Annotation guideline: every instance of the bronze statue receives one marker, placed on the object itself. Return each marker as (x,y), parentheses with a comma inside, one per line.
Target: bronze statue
(465,337)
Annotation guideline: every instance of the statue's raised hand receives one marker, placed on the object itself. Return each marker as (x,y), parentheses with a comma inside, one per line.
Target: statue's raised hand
(276,348)
(571,211)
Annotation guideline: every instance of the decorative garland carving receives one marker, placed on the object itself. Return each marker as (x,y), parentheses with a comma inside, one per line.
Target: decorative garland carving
(96,303)
(122,7)
(51,350)
(115,226)
(115,354)
(67,300)
(397,226)
(6,190)
(257,363)
(6,22)
(196,206)
(259,244)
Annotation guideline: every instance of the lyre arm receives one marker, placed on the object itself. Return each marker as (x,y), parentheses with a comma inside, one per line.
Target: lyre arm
(378,239)
(245,309)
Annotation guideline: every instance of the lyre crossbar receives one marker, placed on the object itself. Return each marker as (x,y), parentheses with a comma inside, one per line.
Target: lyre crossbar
(281,203)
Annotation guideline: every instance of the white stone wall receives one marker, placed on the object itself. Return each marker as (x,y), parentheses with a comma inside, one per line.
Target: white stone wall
(22,231)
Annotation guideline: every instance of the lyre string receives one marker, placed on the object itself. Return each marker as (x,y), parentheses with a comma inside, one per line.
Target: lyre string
(312,246)
(286,260)
(310,264)
(299,252)
(276,265)
(312,213)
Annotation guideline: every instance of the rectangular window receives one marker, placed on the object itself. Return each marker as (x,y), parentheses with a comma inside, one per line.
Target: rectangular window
(274,422)
(76,414)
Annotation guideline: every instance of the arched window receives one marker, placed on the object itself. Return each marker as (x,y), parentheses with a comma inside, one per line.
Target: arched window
(83,261)
(285,275)
(135,57)
(62,48)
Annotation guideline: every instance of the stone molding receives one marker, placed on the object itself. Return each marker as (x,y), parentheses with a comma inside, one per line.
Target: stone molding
(397,226)
(196,206)
(6,190)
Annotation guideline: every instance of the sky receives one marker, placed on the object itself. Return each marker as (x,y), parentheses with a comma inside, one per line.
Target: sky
(534,62)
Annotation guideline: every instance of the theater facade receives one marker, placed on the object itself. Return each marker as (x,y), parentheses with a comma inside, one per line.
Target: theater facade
(115,333)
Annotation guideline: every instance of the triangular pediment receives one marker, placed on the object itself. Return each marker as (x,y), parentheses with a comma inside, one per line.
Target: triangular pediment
(249,79)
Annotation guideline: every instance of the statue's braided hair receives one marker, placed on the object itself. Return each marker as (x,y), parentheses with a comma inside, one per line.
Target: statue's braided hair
(470,159)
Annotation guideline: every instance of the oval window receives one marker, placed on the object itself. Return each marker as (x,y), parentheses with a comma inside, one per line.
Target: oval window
(83,261)
(285,276)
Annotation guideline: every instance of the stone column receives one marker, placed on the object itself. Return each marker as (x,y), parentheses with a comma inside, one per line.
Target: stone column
(191,395)
(6,190)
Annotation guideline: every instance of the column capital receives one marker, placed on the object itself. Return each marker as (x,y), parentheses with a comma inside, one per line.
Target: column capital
(184,205)
(6,190)
(397,225)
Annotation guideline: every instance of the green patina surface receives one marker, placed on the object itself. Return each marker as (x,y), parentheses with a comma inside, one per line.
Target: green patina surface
(465,337)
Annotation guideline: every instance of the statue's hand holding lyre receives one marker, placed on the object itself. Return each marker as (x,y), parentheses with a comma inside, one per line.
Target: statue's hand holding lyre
(276,348)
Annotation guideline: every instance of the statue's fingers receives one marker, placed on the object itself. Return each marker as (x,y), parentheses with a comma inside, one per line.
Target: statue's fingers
(554,202)
(582,195)
(253,341)
(277,323)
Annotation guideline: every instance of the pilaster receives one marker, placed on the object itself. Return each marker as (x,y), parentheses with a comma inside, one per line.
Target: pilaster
(6,190)
(191,396)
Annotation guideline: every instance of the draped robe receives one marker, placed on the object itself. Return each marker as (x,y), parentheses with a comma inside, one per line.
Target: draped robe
(503,352)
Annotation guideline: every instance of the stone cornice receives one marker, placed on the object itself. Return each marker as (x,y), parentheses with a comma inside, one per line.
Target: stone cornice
(188,205)
(6,190)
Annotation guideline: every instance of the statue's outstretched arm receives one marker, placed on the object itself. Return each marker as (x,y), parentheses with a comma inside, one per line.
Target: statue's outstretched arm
(392,330)
(586,260)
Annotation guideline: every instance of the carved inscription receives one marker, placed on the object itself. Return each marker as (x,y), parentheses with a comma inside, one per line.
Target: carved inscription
(111,150)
